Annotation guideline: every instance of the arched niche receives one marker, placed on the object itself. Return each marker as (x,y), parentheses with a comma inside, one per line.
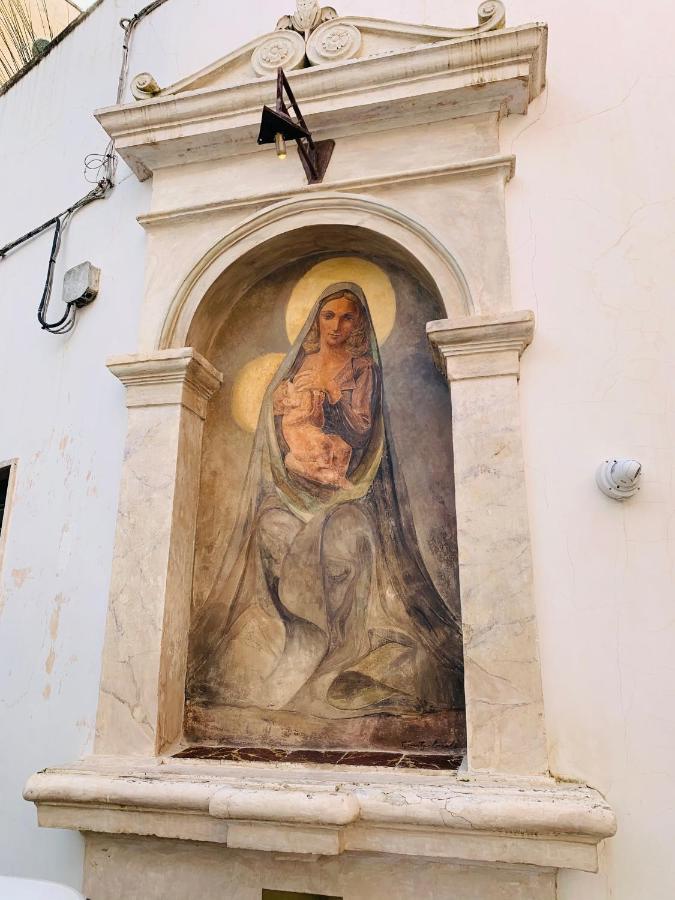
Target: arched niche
(241,326)
(297,227)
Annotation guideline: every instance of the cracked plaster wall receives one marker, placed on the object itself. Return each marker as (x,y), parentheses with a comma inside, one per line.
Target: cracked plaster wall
(590,227)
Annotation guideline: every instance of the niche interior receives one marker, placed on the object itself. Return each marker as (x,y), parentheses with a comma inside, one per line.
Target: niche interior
(325,607)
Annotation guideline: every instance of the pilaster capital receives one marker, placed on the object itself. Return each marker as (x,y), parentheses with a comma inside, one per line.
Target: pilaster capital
(480,346)
(167,378)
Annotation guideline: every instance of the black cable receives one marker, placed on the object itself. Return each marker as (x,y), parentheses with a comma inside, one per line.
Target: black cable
(98,192)
(67,320)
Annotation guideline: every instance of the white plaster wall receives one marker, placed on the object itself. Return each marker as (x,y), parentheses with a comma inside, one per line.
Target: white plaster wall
(63,417)
(590,220)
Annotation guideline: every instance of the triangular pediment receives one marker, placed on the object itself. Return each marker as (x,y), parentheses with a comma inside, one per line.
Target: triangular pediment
(334,40)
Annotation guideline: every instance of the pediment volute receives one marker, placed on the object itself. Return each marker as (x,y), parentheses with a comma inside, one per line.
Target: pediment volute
(318,36)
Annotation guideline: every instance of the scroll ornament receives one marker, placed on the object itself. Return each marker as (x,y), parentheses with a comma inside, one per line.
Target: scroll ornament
(144,86)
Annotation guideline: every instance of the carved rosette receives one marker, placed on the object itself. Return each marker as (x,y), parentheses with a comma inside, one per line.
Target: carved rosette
(334,41)
(280,48)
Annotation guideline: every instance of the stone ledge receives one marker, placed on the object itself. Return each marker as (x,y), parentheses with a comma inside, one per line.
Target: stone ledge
(302,809)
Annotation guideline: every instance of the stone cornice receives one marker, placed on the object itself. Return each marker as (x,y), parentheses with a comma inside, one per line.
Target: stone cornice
(167,377)
(500,70)
(300,809)
(480,346)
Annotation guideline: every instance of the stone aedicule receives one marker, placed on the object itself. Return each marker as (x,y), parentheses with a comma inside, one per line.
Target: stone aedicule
(217,202)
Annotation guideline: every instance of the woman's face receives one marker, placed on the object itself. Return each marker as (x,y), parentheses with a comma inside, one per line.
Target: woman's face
(337,320)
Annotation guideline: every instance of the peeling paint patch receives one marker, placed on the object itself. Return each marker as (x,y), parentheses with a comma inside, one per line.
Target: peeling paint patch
(59,600)
(54,620)
(19,576)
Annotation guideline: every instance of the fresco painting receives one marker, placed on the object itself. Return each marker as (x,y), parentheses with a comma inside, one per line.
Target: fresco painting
(321,609)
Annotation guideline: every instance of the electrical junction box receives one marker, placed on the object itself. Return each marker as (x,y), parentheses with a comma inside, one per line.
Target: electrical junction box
(80,284)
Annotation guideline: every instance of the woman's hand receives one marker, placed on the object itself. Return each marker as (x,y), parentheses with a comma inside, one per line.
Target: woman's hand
(314,381)
(308,381)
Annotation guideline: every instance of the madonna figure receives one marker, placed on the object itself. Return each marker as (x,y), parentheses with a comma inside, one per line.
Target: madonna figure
(323,604)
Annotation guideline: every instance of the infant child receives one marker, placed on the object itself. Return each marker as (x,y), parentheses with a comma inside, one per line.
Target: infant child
(314,455)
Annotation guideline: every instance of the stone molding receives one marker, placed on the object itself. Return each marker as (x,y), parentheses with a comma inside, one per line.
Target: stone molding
(504,164)
(480,346)
(324,207)
(294,809)
(166,378)
(499,71)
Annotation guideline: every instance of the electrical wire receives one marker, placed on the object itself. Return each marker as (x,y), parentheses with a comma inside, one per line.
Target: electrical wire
(67,320)
(104,167)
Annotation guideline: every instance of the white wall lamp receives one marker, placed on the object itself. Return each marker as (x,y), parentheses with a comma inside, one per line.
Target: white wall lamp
(619,478)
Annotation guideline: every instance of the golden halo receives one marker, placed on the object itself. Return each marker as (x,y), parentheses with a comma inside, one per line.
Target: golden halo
(371,279)
(250,386)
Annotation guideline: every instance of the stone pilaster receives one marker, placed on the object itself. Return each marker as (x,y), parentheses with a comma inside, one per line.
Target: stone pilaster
(142,682)
(480,356)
